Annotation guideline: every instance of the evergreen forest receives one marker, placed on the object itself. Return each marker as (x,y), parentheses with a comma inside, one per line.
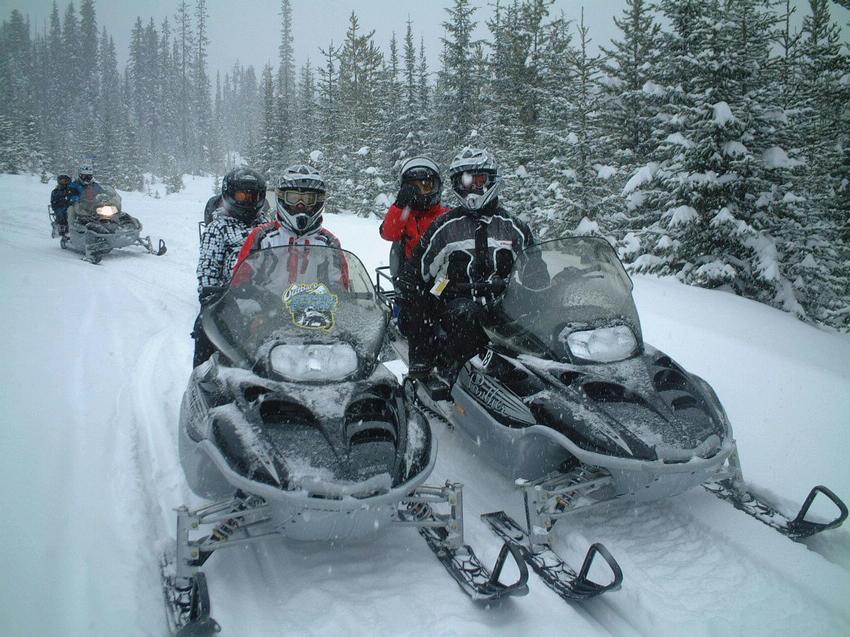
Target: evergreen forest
(710,140)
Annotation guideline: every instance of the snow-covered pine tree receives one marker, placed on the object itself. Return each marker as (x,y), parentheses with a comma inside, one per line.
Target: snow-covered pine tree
(454,117)
(282,152)
(821,267)
(588,196)
(630,102)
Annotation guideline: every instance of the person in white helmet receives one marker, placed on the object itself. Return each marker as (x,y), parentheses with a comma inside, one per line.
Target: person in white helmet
(301,195)
(460,266)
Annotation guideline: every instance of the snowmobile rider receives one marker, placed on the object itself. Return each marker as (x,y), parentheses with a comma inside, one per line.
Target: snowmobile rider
(300,195)
(243,194)
(460,267)
(84,186)
(416,206)
(60,201)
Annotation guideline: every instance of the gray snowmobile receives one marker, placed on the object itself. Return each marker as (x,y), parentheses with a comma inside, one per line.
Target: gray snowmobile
(295,428)
(98,227)
(568,401)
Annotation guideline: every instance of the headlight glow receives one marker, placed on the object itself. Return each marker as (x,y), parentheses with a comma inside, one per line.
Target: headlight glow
(314,362)
(603,345)
(107,211)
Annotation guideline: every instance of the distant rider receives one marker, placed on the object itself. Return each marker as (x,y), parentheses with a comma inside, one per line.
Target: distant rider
(300,195)
(243,195)
(60,201)
(461,265)
(85,187)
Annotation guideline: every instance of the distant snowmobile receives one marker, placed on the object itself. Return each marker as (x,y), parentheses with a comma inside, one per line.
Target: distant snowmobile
(572,404)
(97,228)
(295,428)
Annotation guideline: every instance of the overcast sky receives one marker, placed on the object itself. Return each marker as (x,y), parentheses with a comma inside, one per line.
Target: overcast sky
(250,31)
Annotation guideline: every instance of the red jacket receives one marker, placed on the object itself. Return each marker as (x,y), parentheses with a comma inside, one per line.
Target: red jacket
(410,228)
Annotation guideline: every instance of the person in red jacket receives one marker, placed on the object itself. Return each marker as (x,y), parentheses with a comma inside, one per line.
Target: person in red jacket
(416,207)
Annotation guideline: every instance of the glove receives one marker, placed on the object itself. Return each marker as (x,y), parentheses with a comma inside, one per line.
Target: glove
(405,195)
(210,294)
(408,285)
(489,290)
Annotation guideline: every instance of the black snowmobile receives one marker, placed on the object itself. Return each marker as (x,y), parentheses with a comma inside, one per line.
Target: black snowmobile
(96,228)
(295,428)
(570,402)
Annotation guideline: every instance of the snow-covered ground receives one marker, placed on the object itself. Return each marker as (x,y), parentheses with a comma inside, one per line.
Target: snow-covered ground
(93,363)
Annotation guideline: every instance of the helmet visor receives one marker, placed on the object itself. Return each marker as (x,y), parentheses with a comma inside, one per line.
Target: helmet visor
(424,186)
(306,198)
(86,178)
(248,196)
(475,181)
(64,181)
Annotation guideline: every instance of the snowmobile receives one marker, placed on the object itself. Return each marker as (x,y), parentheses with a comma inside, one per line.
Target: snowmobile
(295,428)
(572,404)
(98,227)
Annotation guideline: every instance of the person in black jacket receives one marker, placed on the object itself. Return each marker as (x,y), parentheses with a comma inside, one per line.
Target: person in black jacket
(60,201)
(460,266)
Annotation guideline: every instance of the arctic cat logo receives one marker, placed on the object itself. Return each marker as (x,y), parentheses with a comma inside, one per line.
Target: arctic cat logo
(312,305)
(497,398)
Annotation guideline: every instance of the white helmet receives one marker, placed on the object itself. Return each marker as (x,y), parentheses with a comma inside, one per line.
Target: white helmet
(86,172)
(474,176)
(301,194)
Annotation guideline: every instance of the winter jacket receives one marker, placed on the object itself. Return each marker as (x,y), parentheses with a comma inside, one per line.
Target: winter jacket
(466,247)
(409,229)
(273,234)
(220,246)
(213,204)
(61,198)
(85,193)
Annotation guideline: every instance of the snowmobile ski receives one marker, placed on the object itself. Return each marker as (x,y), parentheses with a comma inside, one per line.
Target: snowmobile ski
(443,532)
(553,570)
(472,576)
(797,528)
(187,609)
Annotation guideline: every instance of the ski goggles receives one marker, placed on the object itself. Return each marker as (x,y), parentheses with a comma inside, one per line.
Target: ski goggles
(248,196)
(424,186)
(64,181)
(307,198)
(475,180)
(86,179)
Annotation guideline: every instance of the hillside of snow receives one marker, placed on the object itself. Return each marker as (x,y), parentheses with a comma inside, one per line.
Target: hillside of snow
(94,361)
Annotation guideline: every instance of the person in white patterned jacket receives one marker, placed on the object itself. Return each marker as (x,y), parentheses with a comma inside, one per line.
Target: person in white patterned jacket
(243,193)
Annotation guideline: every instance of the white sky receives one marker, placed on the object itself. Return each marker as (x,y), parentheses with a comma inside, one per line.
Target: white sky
(250,31)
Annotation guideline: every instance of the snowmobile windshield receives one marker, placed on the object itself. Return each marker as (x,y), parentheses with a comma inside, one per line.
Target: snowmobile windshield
(301,313)
(569,299)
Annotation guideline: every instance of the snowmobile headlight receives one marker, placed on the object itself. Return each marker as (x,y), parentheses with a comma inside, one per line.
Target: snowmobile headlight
(107,211)
(603,345)
(314,362)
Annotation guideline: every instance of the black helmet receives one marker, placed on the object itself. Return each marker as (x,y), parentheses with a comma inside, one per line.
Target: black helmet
(63,179)
(243,192)
(475,178)
(301,194)
(424,175)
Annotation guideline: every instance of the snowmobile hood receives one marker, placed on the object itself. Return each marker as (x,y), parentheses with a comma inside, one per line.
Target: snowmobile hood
(343,439)
(644,408)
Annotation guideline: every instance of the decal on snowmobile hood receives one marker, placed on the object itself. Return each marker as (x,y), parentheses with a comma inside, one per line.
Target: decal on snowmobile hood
(312,305)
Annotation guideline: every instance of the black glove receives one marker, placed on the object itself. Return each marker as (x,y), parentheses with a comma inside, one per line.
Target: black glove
(408,285)
(490,290)
(210,294)
(405,195)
